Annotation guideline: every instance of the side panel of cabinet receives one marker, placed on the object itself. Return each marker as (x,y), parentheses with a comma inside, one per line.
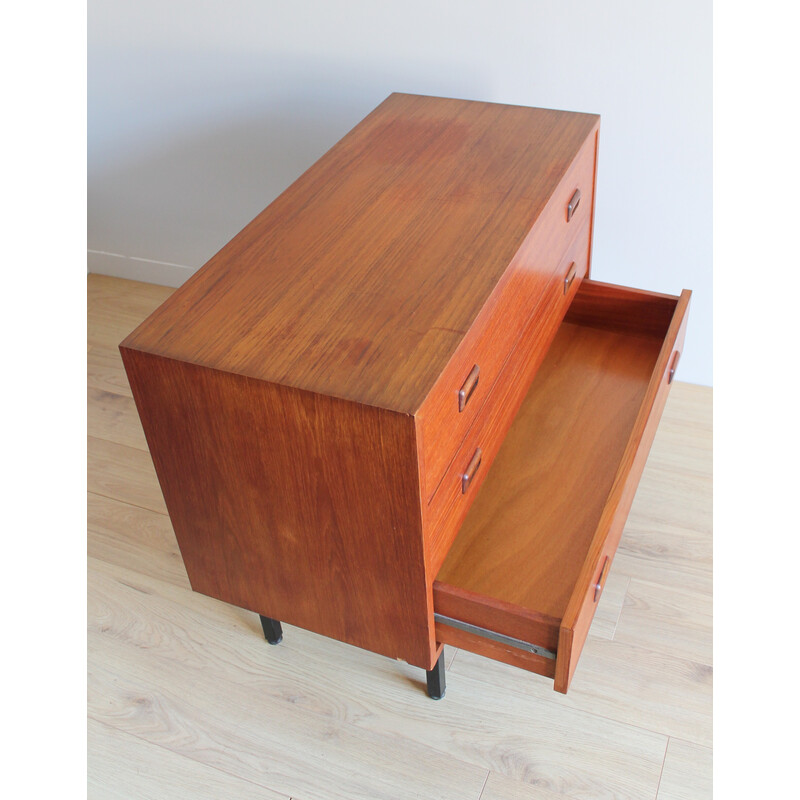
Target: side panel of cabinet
(300,507)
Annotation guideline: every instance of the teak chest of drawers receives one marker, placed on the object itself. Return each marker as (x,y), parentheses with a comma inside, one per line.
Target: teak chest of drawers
(394,409)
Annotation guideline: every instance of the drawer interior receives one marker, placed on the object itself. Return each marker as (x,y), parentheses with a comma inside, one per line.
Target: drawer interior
(521,556)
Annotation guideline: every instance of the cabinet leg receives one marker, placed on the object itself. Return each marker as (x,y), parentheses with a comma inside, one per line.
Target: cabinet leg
(273,632)
(436,682)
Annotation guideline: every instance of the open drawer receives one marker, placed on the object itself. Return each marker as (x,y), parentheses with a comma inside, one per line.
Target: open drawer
(522,579)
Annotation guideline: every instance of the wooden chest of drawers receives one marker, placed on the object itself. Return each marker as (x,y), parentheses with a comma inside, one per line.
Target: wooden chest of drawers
(394,410)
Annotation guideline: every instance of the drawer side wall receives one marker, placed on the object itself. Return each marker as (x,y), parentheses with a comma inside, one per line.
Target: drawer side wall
(582,605)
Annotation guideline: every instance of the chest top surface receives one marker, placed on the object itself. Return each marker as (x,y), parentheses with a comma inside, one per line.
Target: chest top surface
(361,279)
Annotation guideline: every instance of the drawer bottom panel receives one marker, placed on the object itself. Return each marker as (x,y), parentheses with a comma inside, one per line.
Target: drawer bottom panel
(528,566)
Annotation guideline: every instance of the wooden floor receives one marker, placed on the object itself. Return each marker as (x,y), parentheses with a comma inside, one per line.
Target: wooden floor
(187,700)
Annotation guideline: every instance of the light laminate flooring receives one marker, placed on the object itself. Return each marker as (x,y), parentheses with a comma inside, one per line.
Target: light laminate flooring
(187,700)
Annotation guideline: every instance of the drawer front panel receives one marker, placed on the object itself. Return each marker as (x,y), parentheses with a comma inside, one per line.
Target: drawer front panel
(460,392)
(451,501)
(530,561)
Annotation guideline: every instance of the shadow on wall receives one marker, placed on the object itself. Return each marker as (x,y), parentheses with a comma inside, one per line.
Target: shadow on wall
(180,191)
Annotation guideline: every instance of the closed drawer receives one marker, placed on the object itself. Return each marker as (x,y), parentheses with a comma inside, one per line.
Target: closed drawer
(453,497)
(522,579)
(458,395)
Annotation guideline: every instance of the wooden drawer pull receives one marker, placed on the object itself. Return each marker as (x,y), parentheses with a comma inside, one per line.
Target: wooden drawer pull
(467,477)
(598,587)
(570,277)
(572,206)
(465,392)
(673,366)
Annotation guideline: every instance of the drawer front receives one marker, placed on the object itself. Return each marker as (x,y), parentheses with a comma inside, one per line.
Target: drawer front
(521,581)
(461,390)
(463,477)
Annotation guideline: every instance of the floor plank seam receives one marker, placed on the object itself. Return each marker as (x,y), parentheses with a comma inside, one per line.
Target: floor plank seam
(452,658)
(548,698)
(346,725)
(92,385)
(109,391)
(661,774)
(127,502)
(180,754)
(158,579)
(321,716)
(666,555)
(122,444)
(622,606)
(485,781)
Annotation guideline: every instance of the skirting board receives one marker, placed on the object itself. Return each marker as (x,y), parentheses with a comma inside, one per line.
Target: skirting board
(137,269)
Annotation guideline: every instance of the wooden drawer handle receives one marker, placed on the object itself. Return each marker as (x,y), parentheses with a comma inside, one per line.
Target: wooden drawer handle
(598,587)
(673,366)
(571,272)
(465,392)
(467,477)
(572,206)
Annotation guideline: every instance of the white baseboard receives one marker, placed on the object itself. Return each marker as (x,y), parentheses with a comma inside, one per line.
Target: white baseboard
(137,269)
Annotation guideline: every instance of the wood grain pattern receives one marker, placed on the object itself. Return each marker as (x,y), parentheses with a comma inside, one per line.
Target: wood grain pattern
(241,711)
(104,370)
(123,473)
(301,507)
(626,683)
(687,772)
(136,538)
(122,766)
(654,615)
(358,711)
(611,603)
(113,314)
(107,410)
(361,279)
(503,318)
(525,542)
(293,391)
(580,610)
(288,705)
(622,309)
(496,650)
(266,742)
(299,393)
(449,506)
(495,614)
(498,787)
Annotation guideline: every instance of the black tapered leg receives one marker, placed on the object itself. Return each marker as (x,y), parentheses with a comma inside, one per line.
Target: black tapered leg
(436,682)
(273,632)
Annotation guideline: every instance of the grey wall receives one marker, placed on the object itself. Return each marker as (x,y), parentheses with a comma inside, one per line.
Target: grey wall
(201,112)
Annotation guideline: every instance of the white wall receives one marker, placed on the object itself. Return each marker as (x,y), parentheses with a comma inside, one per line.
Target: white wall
(202,111)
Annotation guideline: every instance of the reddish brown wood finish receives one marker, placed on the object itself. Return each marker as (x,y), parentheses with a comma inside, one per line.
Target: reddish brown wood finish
(580,610)
(301,507)
(620,308)
(449,506)
(510,619)
(537,534)
(292,390)
(495,650)
(440,425)
(362,279)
